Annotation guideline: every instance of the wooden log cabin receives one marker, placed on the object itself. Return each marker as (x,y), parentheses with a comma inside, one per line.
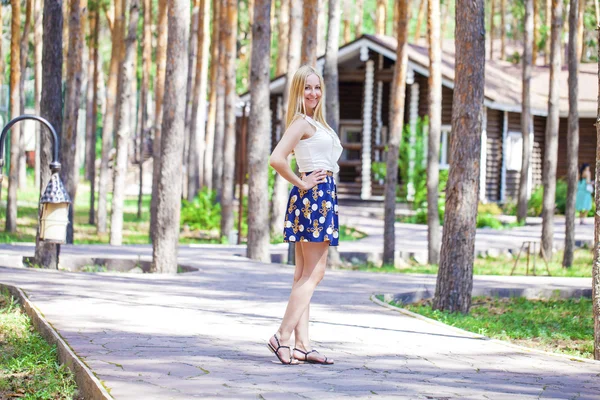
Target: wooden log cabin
(365,75)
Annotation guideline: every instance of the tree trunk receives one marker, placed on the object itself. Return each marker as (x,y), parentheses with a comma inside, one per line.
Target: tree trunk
(93,121)
(331,78)
(455,274)
(166,238)
(444,23)
(259,135)
(90,133)
(492,12)
(220,112)
(420,17)
(145,125)
(536,32)
(551,145)
(24,55)
(435,125)
(526,118)
(358,17)
(549,18)
(380,17)
(197,149)
(124,126)
(283,37)
(347,21)
(573,133)
(15,109)
(159,89)
(580,31)
(68,145)
(502,29)
(596,263)
(65,32)
(37,43)
(46,254)
(109,117)
(309,34)
(280,189)
(190,172)
(212,98)
(396,123)
(322,27)
(230,131)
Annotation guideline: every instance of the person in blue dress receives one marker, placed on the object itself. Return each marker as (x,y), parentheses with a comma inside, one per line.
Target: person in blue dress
(311,219)
(585,189)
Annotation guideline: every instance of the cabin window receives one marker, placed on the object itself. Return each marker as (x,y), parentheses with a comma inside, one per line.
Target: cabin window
(444,146)
(351,139)
(514,150)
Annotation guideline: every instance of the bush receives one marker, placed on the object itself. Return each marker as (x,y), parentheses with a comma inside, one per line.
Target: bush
(487,220)
(489,208)
(535,204)
(202,213)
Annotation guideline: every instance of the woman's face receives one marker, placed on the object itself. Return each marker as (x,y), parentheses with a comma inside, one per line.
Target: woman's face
(587,172)
(312,91)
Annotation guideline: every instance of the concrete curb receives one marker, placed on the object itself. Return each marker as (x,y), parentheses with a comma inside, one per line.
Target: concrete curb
(481,337)
(89,386)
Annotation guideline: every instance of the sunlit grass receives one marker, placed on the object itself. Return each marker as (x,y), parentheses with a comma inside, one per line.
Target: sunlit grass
(561,325)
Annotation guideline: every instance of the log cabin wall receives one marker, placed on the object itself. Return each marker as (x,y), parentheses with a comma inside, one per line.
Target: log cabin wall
(587,145)
(493,177)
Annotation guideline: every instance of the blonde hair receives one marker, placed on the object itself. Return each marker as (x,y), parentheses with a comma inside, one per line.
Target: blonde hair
(296,107)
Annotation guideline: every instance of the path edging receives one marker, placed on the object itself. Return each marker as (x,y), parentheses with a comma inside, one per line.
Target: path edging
(408,313)
(88,385)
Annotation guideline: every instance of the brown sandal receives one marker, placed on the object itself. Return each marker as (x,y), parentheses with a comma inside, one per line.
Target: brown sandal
(306,353)
(276,352)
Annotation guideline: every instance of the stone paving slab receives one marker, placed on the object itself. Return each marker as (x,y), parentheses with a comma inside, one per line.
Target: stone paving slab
(203,335)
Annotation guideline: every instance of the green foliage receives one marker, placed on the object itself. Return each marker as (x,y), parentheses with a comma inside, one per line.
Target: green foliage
(489,208)
(487,220)
(379,171)
(28,364)
(203,212)
(561,325)
(535,204)
(418,174)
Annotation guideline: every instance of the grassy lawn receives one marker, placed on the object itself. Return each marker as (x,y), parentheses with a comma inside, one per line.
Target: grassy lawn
(28,365)
(582,266)
(135,230)
(563,326)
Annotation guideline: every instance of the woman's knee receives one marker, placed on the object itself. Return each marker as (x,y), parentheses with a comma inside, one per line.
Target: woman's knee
(315,276)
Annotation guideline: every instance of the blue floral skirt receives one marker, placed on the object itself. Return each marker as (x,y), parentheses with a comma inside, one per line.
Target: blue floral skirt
(312,215)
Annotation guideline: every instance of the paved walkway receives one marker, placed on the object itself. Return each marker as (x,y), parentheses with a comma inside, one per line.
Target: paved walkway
(203,334)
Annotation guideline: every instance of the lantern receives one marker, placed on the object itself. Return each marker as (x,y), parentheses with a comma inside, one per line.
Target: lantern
(54,217)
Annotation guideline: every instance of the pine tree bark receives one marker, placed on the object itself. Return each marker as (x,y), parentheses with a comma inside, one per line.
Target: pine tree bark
(230,31)
(492,12)
(309,36)
(145,124)
(24,55)
(166,239)
(108,126)
(68,145)
(596,263)
(159,89)
(322,27)
(536,34)
(358,17)
(332,104)
(396,126)
(15,109)
(420,17)
(347,21)
(93,113)
(212,98)
(502,29)
(580,30)
(293,53)
(380,17)
(46,254)
(197,140)
(259,135)
(90,137)
(549,18)
(37,57)
(283,37)
(551,145)
(573,133)
(526,118)
(435,125)
(455,274)
(220,103)
(124,127)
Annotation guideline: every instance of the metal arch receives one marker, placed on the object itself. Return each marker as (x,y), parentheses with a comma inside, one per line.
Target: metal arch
(54,165)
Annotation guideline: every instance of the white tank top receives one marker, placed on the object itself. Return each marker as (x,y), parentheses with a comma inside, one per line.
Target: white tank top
(320,151)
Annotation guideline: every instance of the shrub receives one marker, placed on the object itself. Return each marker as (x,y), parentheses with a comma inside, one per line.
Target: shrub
(489,208)
(487,220)
(202,213)
(535,204)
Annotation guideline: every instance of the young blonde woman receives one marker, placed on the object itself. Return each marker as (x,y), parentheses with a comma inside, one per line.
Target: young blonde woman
(311,219)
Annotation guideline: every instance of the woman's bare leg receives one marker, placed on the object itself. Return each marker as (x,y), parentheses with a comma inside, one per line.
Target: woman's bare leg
(314,260)
(301,330)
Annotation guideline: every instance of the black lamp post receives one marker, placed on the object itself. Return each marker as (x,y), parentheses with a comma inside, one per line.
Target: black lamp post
(55,200)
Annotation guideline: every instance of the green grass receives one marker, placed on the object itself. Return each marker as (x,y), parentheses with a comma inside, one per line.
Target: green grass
(28,364)
(582,266)
(560,325)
